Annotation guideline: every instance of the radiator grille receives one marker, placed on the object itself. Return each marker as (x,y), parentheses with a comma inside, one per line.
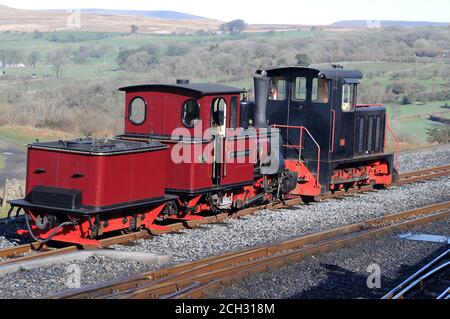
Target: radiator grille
(369,133)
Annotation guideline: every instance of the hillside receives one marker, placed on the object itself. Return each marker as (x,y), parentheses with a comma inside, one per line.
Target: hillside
(57,20)
(170,15)
(386,23)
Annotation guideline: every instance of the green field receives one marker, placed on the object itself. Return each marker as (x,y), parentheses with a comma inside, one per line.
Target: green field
(411,110)
(20,136)
(105,69)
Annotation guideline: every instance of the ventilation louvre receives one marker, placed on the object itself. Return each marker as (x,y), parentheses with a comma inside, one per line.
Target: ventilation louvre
(369,133)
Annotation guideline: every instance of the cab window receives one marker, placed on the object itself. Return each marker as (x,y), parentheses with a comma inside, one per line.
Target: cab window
(137,111)
(233,112)
(320,91)
(218,107)
(278,88)
(348,97)
(300,89)
(190,113)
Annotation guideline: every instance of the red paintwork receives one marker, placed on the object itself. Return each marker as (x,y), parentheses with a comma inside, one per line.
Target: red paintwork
(309,185)
(81,233)
(379,174)
(164,113)
(190,176)
(108,180)
(376,173)
(164,116)
(237,170)
(300,146)
(116,179)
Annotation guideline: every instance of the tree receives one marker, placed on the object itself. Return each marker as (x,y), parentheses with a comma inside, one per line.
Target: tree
(134,29)
(234,27)
(9,57)
(303,59)
(33,58)
(37,34)
(139,62)
(59,63)
(439,134)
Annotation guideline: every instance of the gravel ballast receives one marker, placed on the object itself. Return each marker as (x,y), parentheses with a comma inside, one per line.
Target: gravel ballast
(416,160)
(46,281)
(343,273)
(264,227)
(268,226)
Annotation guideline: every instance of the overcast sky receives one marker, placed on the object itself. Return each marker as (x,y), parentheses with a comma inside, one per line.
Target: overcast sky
(268,11)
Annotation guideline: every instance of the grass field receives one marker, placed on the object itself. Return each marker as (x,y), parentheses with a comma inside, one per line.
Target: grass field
(4,211)
(411,110)
(105,69)
(20,136)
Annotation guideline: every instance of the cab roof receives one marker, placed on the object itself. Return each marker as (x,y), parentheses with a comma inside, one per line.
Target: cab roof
(328,73)
(202,89)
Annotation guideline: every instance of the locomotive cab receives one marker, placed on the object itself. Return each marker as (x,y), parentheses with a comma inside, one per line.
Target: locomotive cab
(339,143)
(200,124)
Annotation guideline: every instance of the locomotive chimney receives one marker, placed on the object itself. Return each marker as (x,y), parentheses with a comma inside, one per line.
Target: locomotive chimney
(182,81)
(262,86)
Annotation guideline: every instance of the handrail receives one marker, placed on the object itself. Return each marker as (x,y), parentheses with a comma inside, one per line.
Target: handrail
(369,105)
(396,142)
(333,112)
(300,146)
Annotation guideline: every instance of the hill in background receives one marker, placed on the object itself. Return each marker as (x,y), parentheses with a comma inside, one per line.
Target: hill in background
(387,23)
(170,15)
(19,20)
(157,22)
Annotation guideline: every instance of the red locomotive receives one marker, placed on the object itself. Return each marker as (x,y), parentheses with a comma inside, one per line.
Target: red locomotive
(189,150)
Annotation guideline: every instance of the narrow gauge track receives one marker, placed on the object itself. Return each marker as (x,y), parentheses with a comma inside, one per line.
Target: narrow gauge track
(35,250)
(26,252)
(431,281)
(192,280)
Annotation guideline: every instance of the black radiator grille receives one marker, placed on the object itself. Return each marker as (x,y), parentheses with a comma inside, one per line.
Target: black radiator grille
(369,132)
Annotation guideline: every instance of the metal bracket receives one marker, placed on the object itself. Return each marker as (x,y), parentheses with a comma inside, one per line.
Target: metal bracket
(426,238)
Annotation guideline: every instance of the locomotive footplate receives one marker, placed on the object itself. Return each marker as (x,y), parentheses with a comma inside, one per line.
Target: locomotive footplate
(88,211)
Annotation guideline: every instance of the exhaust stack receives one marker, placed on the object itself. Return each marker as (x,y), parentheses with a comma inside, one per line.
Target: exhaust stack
(262,86)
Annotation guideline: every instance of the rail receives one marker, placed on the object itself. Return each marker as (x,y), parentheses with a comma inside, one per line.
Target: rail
(300,146)
(192,280)
(31,251)
(418,279)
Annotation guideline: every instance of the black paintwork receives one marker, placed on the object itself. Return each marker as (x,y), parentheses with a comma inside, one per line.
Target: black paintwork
(101,146)
(88,210)
(58,197)
(200,89)
(318,119)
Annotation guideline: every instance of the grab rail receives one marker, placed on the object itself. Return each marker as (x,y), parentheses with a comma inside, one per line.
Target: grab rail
(390,130)
(300,146)
(333,112)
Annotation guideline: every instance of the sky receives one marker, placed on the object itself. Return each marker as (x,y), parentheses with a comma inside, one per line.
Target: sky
(268,11)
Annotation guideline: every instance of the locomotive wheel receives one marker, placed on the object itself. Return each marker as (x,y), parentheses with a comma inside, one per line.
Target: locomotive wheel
(311,199)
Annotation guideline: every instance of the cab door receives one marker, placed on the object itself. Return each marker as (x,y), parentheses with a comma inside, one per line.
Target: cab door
(218,126)
(343,122)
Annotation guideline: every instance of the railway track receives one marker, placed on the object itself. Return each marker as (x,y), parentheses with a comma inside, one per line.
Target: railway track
(192,280)
(27,252)
(35,250)
(431,281)
(426,174)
